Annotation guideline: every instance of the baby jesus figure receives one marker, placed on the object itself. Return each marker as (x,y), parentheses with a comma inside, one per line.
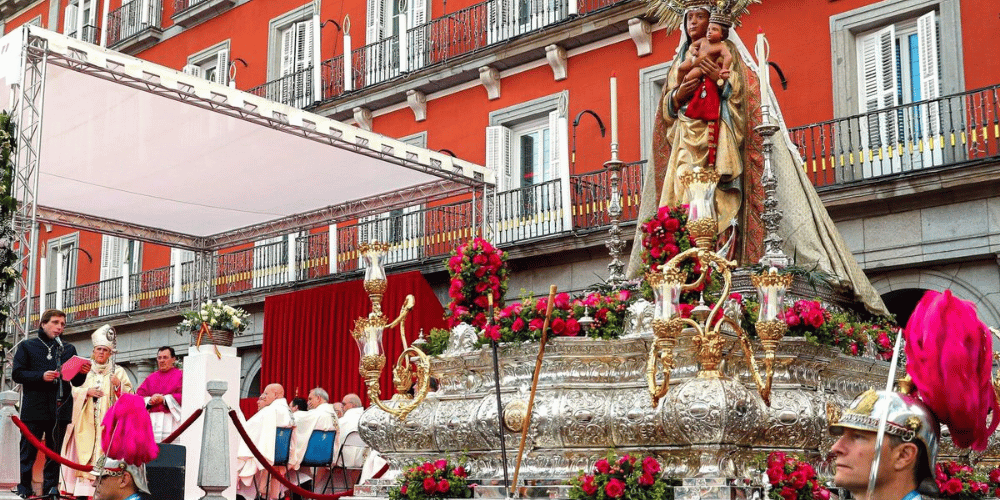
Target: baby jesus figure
(713,47)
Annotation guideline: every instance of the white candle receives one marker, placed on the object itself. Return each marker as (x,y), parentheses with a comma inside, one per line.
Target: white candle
(761,51)
(614,110)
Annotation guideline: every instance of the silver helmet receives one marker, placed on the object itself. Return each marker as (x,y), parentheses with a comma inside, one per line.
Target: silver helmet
(110,467)
(908,418)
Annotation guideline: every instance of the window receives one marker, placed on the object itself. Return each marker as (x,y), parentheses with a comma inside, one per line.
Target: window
(182,262)
(117,251)
(651,83)
(36,21)
(382,25)
(74,16)
(290,63)
(211,64)
(526,146)
(60,266)
(270,261)
(905,54)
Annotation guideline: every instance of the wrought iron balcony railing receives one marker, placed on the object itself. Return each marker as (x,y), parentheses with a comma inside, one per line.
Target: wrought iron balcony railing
(417,235)
(460,33)
(947,131)
(132,20)
(294,89)
(91,34)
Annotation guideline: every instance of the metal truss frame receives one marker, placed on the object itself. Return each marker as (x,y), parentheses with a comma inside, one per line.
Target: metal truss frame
(29,99)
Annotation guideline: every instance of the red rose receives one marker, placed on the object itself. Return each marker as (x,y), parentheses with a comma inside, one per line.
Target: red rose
(480,271)
(671,225)
(402,490)
(558,326)
(572,327)
(646,480)
(481,287)
(788,493)
(650,465)
(792,319)
(591,300)
(821,493)
(953,486)
(430,485)
(518,325)
(479,321)
(776,473)
(685,310)
(601,315)
(541,304)
(588,485)
(428,468)
(799,479)
(480,260)
(444,486)
(562,301)
(459,471)
(624,295)
(440,464)
(615,488)
(602,466)
(493,332)
(536,324)
(481,302)
(995,475)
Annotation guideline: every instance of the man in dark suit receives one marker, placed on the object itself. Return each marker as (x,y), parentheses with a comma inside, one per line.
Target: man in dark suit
(46,400)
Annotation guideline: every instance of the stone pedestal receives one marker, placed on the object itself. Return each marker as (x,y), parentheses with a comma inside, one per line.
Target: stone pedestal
(200,366)
(10,442)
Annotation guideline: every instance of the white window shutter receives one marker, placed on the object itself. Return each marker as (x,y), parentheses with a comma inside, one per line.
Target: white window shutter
(418,17)
(498,140)
(222,67)
(145,11)
(69,19)
(878,84)
(556,155)
(192,69)
(91,12)
(303,46)
(927,42)
(373,22)
(112,256)
(289,41)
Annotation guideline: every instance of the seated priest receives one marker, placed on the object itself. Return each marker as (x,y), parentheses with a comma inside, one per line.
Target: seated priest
(319,417)
(262,429)
(162,392)
(354,456)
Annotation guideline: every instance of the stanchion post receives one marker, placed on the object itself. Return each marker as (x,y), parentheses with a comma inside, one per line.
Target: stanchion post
(10,446)
(214,469)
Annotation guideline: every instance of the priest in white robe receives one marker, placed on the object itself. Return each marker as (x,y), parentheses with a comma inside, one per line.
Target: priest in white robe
(262,429)
(321,416)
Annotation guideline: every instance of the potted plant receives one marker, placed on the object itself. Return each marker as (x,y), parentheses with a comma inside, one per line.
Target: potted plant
(214,323)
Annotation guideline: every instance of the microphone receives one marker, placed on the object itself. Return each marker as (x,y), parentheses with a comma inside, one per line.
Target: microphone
(59,341)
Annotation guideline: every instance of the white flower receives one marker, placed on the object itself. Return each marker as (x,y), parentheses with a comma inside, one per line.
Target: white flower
(228,309)
(204,315)
(236,322)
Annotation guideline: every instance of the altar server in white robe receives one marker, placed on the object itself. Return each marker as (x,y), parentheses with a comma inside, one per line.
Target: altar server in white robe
(321,416)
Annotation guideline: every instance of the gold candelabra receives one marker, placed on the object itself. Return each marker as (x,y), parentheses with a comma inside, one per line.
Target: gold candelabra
(671,281)
(368,332)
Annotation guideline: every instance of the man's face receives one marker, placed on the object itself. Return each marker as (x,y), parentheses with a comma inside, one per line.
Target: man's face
(855,452)
(113,487)
(55,326)
(313,401)
(697,24)
(266,397)
(101,354)
(164,361)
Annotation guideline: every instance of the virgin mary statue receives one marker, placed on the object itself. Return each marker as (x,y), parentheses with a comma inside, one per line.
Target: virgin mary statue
(707,118)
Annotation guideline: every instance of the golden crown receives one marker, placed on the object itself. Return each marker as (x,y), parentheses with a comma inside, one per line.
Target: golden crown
(725,12)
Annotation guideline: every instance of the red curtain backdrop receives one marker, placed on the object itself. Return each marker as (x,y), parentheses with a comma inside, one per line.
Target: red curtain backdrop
(307,334)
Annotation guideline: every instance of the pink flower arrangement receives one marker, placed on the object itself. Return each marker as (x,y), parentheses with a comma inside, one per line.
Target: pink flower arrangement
(624,478)
(962,482)
(793,479)
(431,480)
(478,270)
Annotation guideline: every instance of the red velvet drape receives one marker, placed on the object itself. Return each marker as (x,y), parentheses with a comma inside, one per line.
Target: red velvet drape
(307,334)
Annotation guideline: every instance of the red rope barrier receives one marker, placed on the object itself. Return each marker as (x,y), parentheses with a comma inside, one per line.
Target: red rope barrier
(45,449)
(275,472)
(183,427)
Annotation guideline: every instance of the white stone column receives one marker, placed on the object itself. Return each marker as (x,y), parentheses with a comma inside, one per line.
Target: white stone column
(143,368)
(10,446)
(216,469)
(201,365)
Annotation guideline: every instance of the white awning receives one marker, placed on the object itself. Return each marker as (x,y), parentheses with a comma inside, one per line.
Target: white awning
(140,145)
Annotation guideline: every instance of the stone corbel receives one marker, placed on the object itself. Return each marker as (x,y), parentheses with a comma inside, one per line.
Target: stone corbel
(556,56)
(490,78)
(642,34)
(418,103)
(364,118)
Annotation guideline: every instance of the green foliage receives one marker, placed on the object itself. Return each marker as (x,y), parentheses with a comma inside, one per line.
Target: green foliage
(9,269)
(437,342)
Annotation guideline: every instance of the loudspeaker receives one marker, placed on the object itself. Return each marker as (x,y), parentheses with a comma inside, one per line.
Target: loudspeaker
(166,473)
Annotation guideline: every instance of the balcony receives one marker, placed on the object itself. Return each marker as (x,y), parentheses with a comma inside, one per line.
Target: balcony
(91,34)
(188,13)
(421,237)
(444,40)
(952,131)
(294,89)
(9,7)
(135,26)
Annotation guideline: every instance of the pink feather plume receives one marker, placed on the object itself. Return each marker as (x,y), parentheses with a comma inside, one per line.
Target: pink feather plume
(948,356)
(128,433)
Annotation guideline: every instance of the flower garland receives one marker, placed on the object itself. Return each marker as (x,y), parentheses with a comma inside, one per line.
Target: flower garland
(523,321)
(665,236)
(625,478)
(477,270)
(438,479)
(961,482)
(791,478)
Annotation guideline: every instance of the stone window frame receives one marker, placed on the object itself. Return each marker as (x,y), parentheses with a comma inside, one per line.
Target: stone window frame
(274,28)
